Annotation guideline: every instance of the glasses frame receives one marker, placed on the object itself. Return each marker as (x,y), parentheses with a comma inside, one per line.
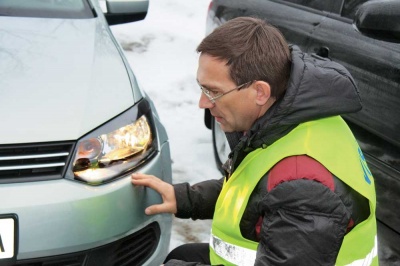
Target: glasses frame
(213,99)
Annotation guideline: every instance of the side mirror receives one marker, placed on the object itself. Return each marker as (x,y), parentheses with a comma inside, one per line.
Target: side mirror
(124,11)
(379,20)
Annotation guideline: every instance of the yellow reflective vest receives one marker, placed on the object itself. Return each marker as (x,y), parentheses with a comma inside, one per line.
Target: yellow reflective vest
(330,142)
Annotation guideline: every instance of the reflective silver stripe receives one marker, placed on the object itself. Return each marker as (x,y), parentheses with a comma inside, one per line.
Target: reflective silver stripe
(370,256)
(244,256)
(234,254)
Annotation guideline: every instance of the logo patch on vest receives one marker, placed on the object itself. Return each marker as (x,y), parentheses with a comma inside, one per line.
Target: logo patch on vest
(367,172)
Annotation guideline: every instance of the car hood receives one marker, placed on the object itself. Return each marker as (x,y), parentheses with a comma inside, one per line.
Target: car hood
(59,79)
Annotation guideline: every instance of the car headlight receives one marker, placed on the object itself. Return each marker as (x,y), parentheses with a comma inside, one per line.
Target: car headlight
(115,148)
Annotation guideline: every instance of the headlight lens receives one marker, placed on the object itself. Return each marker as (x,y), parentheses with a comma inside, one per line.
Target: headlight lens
(101,158)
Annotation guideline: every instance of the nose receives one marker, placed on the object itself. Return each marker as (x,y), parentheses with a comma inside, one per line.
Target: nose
(204,102)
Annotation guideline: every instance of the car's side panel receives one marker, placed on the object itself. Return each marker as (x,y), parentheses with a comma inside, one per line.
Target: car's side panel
(374,64)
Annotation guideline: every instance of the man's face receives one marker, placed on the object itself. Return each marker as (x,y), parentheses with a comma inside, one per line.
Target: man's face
(235,111)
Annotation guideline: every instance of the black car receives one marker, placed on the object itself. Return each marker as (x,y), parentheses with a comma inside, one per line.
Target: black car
(364,36)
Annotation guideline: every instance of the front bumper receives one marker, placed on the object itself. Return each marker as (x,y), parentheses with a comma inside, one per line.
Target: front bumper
(59,217)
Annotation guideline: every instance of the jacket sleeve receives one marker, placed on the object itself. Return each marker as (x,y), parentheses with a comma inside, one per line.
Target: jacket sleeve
(197,201)
(304,224)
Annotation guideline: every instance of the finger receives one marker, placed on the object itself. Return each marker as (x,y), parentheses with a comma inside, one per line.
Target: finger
(140,182)
(149,181)
(138,176)
(158,208)
(142,178)
(145,180)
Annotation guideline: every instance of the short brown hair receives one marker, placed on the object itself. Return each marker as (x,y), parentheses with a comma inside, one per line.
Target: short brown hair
(253,49)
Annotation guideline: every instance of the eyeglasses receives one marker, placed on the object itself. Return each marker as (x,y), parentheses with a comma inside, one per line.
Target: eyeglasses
(212,96)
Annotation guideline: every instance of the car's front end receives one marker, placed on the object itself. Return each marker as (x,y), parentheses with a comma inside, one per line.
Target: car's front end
(75,125)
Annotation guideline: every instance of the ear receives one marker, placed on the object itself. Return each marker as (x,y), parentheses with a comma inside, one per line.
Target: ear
(263,90)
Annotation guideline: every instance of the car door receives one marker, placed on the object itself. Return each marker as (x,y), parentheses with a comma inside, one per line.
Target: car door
(299,19)
(374,64)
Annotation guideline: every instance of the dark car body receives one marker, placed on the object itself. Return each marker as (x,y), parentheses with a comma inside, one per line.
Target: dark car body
(364,36)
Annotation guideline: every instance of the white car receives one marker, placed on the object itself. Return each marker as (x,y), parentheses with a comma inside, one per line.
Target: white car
(74,126)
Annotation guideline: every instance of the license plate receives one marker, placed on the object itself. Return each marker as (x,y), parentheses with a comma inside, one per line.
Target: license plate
(8,238)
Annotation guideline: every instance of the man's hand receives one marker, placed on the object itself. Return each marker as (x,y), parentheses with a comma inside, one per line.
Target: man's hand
(165,189)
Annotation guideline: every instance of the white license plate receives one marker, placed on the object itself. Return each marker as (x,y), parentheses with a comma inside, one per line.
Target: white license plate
(8,237)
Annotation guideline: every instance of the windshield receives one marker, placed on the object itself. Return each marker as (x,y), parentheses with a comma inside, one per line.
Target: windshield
(73,9)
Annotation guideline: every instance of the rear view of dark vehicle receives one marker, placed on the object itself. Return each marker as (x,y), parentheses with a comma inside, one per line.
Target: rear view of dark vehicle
(364,36)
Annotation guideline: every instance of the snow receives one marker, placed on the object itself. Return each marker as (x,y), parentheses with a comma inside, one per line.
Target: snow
(162,52)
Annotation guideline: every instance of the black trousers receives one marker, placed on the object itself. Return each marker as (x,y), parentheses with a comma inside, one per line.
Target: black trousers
(192,252)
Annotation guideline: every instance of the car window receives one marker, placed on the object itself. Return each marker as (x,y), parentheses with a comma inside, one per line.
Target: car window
(46,8)
(350,7)
(333,6)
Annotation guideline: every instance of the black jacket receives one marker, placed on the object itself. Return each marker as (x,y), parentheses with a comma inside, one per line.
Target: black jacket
(302,221)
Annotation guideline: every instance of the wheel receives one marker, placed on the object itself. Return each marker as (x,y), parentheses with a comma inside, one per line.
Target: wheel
(220,145)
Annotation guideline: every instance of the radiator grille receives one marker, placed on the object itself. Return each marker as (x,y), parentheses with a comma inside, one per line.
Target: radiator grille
(136,249)
(33,162)
(133,250)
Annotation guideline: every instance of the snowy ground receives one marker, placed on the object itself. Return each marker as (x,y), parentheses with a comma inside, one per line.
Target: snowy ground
(162,53)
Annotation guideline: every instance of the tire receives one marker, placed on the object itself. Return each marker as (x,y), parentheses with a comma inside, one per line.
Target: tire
(220,145)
